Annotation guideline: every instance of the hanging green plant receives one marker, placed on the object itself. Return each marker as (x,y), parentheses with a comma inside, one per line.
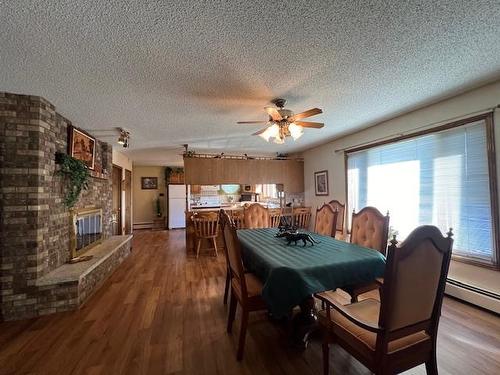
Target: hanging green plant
(76,174)
(169,171)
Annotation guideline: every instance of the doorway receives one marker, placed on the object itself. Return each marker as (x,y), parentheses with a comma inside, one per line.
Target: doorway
(117,200)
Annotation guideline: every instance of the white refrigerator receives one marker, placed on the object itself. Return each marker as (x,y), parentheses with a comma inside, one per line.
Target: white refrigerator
(176,206)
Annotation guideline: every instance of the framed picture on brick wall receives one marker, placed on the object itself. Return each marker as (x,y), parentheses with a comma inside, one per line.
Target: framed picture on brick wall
(82,146)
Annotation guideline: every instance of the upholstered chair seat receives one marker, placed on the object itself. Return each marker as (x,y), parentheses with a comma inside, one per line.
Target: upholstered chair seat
(361,339)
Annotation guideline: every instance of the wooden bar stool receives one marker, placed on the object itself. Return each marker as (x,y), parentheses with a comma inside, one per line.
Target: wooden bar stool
(302,217)
(206,226)
(274,217)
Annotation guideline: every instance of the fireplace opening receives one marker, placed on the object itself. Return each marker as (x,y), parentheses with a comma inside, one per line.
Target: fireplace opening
(86,230)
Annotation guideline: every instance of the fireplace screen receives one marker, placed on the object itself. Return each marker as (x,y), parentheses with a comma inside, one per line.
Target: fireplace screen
(87,230)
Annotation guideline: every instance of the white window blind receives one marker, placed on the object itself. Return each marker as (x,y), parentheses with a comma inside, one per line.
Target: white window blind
(440,179)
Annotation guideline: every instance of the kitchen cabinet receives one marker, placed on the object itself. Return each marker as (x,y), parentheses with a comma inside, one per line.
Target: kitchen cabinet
(207,171)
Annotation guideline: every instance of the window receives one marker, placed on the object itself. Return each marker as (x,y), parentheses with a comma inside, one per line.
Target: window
(267,190)
(440,178)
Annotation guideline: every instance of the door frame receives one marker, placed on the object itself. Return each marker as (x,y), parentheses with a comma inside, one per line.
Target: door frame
(118,224)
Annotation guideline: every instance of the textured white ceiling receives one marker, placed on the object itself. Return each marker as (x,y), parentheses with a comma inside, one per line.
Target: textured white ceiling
(186,71)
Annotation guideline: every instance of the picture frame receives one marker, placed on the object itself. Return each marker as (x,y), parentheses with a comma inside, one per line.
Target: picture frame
(149,183)
(82,146)
(321,183)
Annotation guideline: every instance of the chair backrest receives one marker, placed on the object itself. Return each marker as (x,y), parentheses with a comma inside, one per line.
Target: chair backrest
(256,216)
(237,218)
(369,228)
(206,224)
(302,217)
(233,251)
(326,220)
(274,217)
(414,282)
(336,205)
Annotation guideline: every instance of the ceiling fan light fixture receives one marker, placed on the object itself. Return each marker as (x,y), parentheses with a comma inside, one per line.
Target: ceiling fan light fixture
(274,131)
(296,131)
(279,140)
(265,135)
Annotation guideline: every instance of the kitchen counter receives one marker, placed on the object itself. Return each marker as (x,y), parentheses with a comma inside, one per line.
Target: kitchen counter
(229,207)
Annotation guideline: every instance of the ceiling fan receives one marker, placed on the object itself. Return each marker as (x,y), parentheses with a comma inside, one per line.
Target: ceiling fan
(283,122)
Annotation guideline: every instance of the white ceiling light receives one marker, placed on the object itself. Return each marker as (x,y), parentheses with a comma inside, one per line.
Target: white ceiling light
(296,131)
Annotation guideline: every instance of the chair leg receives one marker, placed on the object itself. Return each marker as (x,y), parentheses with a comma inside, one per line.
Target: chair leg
(214,240)
(198,245)
(226,287)
(232,312)
(243,333)
(326,357)
(431,364)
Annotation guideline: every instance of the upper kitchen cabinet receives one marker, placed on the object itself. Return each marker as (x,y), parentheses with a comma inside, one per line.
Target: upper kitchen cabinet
(210,171)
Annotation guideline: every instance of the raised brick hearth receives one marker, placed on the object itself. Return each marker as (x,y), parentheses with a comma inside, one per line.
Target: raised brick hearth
(34,223)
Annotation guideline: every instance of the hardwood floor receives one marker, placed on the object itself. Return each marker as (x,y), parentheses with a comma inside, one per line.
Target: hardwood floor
(161,312)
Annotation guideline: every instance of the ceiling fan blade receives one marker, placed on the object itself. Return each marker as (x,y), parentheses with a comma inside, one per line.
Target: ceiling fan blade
(260,131)
(273,112)
(308,113)
(252,122)
(309,124)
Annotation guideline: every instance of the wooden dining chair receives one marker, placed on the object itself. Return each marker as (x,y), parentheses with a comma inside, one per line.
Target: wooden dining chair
(206,226)
(326,221)
(222,223)
(237,218)
(274,217)
(246,288)
(369,228)
(336,205)
(400,331)
(256,216)
(302,217)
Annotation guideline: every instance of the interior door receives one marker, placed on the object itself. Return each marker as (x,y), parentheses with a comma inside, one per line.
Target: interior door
(117,200)
(128,201)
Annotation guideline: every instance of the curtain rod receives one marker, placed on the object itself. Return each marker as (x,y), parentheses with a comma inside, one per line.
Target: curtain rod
(423,127)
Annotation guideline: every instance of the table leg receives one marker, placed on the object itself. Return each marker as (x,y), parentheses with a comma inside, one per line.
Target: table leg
(304,323)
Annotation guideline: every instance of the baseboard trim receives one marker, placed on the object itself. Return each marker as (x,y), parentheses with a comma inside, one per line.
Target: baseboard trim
(147,225)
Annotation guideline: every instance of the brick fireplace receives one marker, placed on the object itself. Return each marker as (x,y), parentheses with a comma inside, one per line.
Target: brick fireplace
(34,222)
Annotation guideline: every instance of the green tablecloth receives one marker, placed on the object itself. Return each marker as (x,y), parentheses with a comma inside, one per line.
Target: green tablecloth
(292,273)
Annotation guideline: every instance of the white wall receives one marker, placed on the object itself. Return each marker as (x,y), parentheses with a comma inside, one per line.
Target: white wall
(144,212)
(121,160)
(325,158)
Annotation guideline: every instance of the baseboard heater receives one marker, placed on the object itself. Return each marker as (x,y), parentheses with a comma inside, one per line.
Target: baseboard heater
(477,296)
(145,225)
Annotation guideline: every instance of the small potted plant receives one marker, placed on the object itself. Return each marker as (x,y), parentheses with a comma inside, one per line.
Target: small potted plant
(158,207)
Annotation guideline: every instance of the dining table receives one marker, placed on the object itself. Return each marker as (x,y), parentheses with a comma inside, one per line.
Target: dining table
(292,274)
